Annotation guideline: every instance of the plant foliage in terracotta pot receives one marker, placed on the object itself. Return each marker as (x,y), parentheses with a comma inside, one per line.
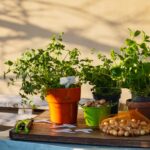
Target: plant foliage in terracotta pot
(40,72)
(100,77)
(133,70)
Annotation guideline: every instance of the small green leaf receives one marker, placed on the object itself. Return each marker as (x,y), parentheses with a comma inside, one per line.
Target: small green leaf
(4,75)
(60,36)
(136,33)
(99,56)
(147,37)
(10,63)
(131,32)
(113,55)
(143,46)
(129,42)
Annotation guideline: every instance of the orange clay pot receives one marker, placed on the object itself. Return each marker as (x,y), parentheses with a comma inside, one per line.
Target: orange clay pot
(63,105)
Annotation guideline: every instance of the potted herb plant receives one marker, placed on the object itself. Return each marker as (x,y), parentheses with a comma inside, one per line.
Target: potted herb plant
(100,77)
(133,70)
(41,72)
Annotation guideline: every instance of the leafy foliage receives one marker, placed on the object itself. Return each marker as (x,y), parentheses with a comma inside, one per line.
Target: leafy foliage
(41,69)
(100,76)
(133,63)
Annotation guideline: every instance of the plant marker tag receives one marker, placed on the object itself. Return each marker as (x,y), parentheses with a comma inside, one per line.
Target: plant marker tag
(67,81)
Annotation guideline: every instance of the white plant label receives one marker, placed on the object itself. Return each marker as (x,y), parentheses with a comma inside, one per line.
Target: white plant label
(67,81)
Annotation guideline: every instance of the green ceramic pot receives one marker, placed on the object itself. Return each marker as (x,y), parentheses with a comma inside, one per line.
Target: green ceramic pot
(94,115)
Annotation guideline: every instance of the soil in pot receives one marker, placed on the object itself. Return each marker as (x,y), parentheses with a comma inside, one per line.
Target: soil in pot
(63,105)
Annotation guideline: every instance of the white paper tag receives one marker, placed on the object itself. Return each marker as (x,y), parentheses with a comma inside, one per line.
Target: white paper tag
(64,130)
(73,131)
(67,81)
(84,130)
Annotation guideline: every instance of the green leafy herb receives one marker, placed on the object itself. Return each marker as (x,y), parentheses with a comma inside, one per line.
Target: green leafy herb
(41,69)
(133,64)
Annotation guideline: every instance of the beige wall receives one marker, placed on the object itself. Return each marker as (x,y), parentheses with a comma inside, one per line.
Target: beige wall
(100,24)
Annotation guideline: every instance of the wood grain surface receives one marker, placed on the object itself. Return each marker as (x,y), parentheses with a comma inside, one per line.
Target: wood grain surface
(46,132)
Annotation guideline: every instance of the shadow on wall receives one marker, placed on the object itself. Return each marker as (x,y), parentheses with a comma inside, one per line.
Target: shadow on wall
(29,30)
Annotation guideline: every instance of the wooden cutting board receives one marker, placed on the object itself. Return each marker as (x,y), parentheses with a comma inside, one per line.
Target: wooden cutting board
(45,132)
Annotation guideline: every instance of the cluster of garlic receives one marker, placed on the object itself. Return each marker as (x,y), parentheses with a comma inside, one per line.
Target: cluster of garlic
(125,127)
(96,103)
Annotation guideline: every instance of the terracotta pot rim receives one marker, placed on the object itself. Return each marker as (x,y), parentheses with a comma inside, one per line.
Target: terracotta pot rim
(64,95)
(54,89)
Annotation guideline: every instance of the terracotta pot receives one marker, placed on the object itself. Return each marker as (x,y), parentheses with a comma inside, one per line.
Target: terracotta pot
(143,107)
(63,105)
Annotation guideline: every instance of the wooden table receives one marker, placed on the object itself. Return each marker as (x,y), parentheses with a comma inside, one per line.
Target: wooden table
(45,132)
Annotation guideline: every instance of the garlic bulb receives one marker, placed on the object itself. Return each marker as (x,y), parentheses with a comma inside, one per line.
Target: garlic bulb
(125,127)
